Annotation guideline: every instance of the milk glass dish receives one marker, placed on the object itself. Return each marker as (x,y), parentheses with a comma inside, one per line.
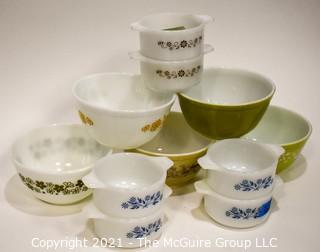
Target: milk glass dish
(227,103)
(129,185)
(126,232)
(52,160)
(171,76)
(171,36)
(119,111)
(241,169)
(286,128)
(234,212)
(181,144)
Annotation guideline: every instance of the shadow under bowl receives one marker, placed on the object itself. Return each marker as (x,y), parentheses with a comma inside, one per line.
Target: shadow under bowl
(283,127)
(227,103)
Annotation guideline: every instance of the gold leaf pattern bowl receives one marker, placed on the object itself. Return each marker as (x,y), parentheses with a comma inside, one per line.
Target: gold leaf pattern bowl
(118,110)
(52,160)
(181,144)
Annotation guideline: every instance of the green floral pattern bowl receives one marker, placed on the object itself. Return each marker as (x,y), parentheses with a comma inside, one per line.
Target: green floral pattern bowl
(228,103)
(51,162)
(284,127)
(181,144)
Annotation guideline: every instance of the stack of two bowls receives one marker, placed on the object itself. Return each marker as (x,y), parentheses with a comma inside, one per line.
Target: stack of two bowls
(129,192)
(171,50)
(241,180)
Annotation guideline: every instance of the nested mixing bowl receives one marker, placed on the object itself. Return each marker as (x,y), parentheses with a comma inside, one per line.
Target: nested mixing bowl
(286,128)
(52,160)
(227,103)
(181,144)
(119,111)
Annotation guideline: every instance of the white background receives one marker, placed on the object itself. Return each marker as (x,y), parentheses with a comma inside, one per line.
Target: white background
(45,45)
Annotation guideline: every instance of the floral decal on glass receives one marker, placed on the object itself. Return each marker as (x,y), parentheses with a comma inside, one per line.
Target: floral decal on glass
(248,185)
(85,119)
(175,45)
(154,125)
(288,156)
(141,231)
(136,202)
(55,189)
(238,213)
(183,170)
(178,74)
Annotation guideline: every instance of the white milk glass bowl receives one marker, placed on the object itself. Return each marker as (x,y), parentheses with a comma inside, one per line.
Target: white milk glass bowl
(233,212)
(171,36)
(129,185)
(126,232)
(119,111)
(52,160)
(240,168)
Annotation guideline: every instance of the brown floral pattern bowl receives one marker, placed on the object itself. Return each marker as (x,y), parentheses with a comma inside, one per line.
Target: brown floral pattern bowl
(171,76)
(179,142)
(52,160)
(171,36)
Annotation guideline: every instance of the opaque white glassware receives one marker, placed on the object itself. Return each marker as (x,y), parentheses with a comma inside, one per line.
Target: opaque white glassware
(129,185)
(52,160)
(157,43)
(233,212)
(126,232)
(240,168)
(170,76)
(122,113)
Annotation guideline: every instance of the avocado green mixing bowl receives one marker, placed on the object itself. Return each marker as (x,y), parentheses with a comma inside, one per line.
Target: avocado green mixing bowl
(283,127)
(227,103)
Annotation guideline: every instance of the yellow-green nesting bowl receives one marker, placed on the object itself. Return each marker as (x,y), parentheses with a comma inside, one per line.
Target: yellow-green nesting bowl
(181,144)
(283,127)
(228,103)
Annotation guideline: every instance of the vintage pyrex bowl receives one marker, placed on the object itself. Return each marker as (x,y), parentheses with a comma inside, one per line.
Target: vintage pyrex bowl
(52,160)
(240,168)
(228,103)
(283,127)
(119,111)
(181,144)
(129,185)
(126,232)
(170,76)
(171,36)
(233,212)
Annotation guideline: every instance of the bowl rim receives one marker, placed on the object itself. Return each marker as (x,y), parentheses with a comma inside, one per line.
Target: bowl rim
(177,155)
(232,106)
(118,111)
(282,109)
(250,173)
(20,165)
(153,30)
(156,184)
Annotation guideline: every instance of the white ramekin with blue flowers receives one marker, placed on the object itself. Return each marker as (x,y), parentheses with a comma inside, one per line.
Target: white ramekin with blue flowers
(129,185)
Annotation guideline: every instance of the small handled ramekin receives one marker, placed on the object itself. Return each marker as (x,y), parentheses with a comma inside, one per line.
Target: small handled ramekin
(171,76)
(129,185)
(126,232)
(172,36)
(233,212)
(241,169)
